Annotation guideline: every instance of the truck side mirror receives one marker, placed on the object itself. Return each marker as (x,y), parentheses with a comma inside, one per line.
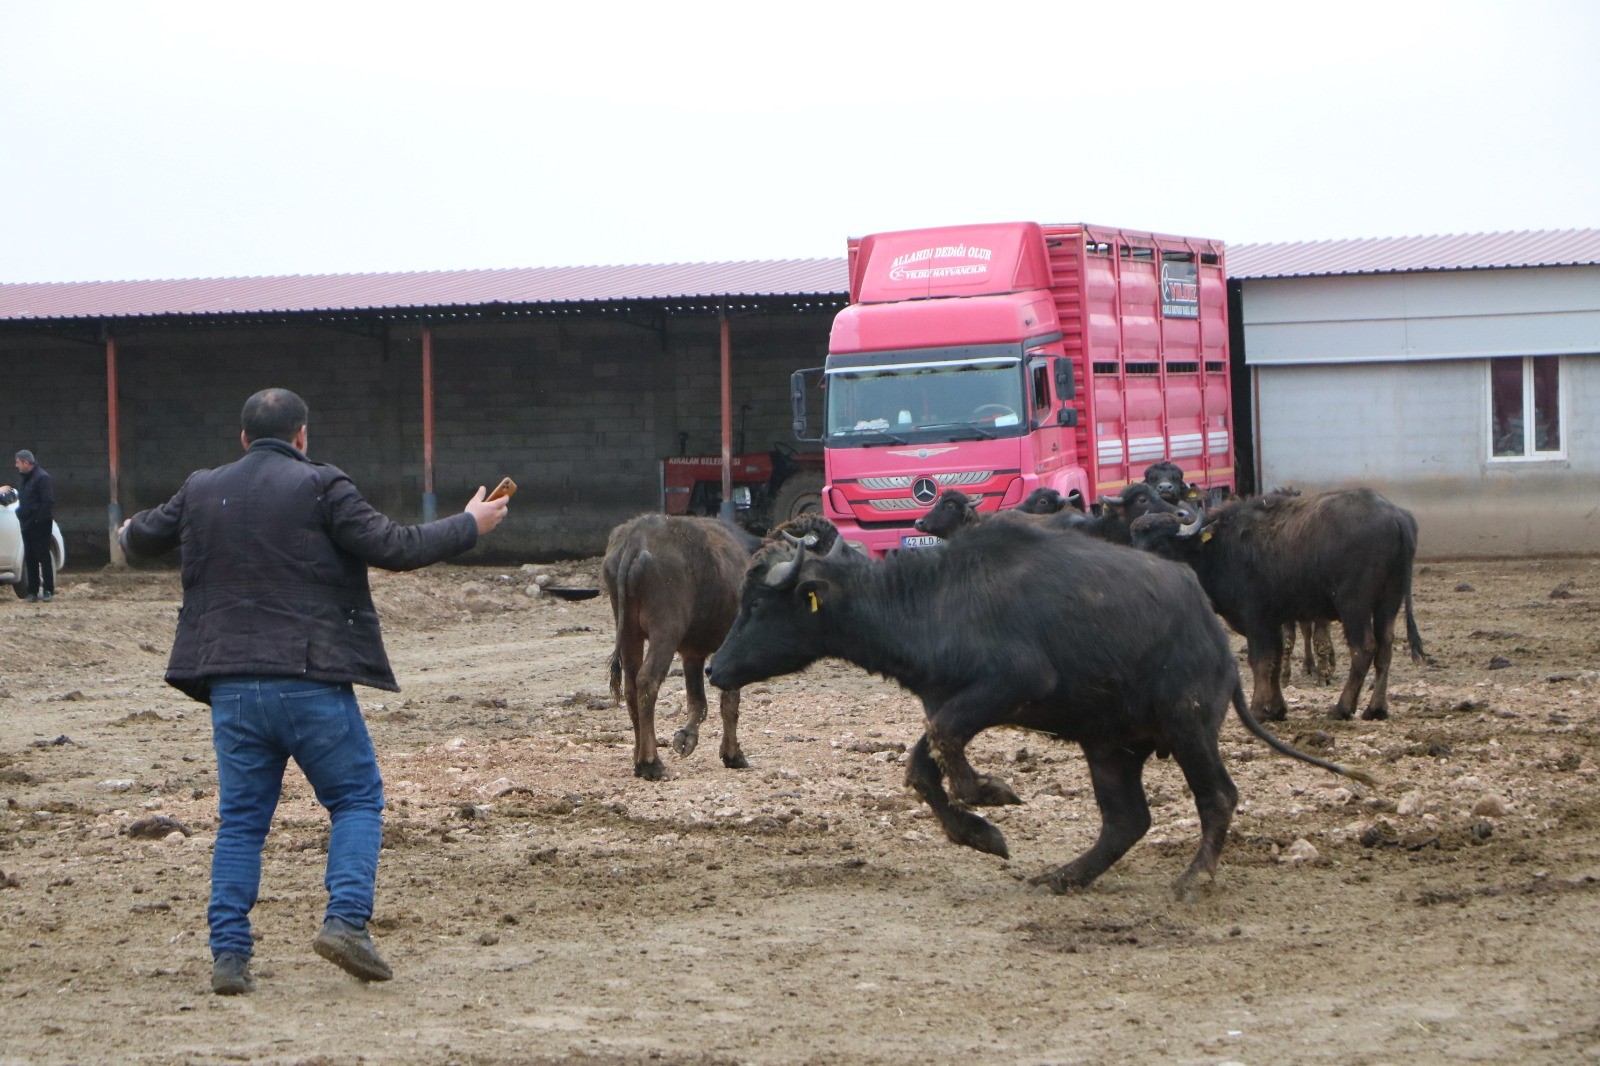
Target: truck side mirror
(1066,388)
(1067,416)
(797,402)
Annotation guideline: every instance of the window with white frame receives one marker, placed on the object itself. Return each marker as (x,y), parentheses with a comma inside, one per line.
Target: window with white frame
(1525,407)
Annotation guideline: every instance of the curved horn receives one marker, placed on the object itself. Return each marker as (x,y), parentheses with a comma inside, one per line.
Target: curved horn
(1192,526)
(807,541)
(787,571)
(836,550)
(780,574)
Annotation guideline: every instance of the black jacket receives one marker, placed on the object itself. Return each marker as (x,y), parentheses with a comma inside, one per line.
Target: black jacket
(275,551)
(36,500)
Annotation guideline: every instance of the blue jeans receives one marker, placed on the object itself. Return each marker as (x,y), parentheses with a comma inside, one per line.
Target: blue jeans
(257,725)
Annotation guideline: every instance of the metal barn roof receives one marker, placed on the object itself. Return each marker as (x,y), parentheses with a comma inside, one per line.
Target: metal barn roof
(708,281)
(1394,255)
(442,288)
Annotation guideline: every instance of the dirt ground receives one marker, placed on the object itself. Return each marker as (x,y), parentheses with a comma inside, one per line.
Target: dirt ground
(541,904)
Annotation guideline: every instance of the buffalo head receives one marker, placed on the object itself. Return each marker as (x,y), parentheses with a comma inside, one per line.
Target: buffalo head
(1177,536)
(777,630)
(950,513)
(1166,477)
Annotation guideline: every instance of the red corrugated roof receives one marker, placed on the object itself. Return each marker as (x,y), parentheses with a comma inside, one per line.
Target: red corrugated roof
(690,281)
(441,288)
(1393,255)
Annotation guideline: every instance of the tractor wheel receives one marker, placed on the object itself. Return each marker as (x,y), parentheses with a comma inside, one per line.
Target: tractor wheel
(800,494)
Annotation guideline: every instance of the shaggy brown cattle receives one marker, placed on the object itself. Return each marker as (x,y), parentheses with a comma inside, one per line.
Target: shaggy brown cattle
(674,586)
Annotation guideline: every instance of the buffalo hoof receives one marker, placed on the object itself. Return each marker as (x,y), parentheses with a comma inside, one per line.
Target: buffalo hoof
(1339,714)
(650,771)
(988,791)
(736,761)
(1190,886)
(1375,714)
(976,833)
(684,741)
(1061,880)
(1273,714)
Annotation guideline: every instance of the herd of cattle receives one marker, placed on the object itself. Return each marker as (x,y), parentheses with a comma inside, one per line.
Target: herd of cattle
(1049,618)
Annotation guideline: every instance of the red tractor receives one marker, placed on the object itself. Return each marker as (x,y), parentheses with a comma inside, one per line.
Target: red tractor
(769,488)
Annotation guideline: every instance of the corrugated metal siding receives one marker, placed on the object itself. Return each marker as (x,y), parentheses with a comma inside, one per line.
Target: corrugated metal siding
(454,288)
(1391,255)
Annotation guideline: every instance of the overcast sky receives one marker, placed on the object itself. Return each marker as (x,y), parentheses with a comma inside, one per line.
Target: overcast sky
(179,139)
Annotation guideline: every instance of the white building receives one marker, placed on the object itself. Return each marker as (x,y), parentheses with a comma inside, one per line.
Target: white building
(1459,376)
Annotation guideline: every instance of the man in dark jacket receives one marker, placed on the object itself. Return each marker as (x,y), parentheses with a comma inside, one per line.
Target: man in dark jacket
(36,514)
(277,623)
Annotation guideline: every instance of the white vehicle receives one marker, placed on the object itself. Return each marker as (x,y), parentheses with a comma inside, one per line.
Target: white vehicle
(11,545)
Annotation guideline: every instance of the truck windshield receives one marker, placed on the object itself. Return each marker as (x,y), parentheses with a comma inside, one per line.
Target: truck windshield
(928,400)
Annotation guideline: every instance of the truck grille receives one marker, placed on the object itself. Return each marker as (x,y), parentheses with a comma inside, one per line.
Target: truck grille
(906,503)
(903,481)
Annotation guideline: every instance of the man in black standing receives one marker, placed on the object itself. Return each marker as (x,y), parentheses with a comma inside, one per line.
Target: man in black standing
(277,623)
(36,514)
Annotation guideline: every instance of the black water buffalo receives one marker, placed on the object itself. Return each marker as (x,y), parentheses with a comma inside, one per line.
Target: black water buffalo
(953,512)
(1315,636)
(1010,624)
(1117,514)
(674,584)
(1166,477)
(1273,560)
(1050,501)
(812,530)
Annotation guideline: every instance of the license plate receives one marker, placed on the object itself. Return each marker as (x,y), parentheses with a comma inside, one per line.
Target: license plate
(919,542)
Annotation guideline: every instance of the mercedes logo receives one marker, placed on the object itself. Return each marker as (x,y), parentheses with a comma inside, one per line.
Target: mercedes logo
(925,490)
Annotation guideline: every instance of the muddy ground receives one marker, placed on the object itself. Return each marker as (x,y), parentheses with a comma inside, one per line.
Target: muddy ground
(541,904)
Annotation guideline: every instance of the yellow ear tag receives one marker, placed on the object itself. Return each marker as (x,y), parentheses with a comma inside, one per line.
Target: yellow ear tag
(1205,535)
(815,607)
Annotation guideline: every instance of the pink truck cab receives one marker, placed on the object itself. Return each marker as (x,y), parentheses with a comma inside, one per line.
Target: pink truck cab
(997,359)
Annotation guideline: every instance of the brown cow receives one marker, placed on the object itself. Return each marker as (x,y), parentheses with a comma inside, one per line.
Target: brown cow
(674,586)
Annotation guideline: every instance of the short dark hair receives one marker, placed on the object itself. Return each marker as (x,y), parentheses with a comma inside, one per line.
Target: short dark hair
(274,413)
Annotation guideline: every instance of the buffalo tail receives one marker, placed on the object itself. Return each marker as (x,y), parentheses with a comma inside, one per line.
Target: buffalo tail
(1413,638)
(1242,707)
(628,574)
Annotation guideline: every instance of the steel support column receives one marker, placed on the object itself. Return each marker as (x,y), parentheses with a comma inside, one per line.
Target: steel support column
(430,501)
(725,512)
(114,455)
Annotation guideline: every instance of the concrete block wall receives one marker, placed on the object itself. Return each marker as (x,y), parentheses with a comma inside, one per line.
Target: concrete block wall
(578,409)
(1419,433)
(53,402)
(182,392)
(581,412)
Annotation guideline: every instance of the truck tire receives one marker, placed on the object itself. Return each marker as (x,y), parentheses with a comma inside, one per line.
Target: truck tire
(800,494)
